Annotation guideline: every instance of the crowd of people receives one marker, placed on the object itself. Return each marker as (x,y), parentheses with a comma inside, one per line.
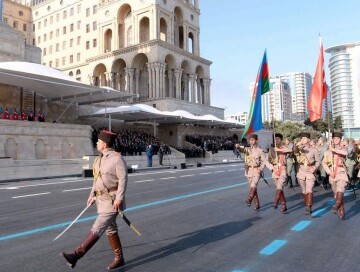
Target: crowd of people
(331,164)
(211,143)
(21,115)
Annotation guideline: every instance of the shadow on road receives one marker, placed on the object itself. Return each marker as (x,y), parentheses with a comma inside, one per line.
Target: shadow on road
(196,239)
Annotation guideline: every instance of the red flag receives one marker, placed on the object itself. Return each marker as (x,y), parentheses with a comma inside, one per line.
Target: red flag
(318,89)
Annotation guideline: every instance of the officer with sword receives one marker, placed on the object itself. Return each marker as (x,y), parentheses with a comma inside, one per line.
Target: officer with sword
(108,192)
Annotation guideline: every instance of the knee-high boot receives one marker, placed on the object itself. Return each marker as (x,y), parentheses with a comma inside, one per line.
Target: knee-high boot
(115,244)
(283,202)
(81,250)
(250,197)
(309,201)
(256,201)
(277,198)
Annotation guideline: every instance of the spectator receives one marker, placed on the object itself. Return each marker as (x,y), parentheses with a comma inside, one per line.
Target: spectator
(149,154)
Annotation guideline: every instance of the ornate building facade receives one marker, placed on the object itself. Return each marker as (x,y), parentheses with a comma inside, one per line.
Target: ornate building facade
(148,47)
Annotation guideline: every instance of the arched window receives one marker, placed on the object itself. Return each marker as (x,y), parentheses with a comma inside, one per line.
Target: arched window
(163,30)
(107,40)
(144,29)
(191,42)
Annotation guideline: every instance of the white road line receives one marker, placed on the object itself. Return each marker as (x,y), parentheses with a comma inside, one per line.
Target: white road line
(169,178)
(139,181)
(219,171)
(87,188)
(70,178)
(206,173)
(43,184)
(187,176)
(232,170)
(32,195)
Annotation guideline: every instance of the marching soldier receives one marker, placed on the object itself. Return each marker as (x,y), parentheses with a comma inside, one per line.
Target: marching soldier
(308,162)
(334,165)
(322,148)
(289,162)
(277,164)
(110,180)
(357,155)
(254,165)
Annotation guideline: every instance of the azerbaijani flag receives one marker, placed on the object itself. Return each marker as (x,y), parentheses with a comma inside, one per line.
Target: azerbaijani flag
(318,89)
(254,122)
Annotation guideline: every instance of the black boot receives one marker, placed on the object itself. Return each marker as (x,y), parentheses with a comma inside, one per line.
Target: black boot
(84,247)
(290,182)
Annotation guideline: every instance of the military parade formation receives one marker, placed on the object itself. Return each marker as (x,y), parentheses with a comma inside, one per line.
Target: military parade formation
(316,163)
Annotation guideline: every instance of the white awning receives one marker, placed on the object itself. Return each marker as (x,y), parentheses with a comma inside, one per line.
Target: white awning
(141,112)
(54,84)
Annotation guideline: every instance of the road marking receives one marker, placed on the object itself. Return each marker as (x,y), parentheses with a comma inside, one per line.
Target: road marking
(31,195)
(273,247)
(232,170)
(206,173)
(184,176)
(43,184)
(70,178)
(139,181)
(78,189)
(168,178)
(301,225)
(138,207)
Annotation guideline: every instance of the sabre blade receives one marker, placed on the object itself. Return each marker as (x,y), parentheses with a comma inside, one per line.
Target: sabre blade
(72,223)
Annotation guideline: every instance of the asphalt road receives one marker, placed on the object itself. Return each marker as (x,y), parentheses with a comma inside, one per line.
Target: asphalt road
(191,220)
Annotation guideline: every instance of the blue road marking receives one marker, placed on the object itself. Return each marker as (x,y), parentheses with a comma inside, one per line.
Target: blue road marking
(238,271)
(301,225)
(273,247)
(61,225)
(320,212)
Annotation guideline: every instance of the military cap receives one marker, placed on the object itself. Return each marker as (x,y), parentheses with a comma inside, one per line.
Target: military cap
(337,134)
(305,134)
(253,136)
(107,137)
(278,135)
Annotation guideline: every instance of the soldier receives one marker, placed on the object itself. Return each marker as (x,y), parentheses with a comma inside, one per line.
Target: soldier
(110,180)
(334,165)
(289,162)
(308,160)
(322,147)
(254,165)
(277,164)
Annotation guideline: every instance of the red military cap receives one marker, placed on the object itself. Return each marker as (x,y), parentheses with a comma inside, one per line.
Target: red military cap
(107,137)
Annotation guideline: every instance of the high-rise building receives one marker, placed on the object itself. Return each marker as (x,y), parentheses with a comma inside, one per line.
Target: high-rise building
(344,67)
(277,102)
(150,48)
(300,85)
(238,117)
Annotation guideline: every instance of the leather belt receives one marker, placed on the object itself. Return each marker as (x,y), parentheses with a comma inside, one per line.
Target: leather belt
(102,192)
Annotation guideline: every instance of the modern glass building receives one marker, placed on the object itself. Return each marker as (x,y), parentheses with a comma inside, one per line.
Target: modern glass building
(344,65)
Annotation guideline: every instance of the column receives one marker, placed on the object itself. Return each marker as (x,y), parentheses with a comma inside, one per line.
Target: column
(178,73)
(137,82)
(115,80)
(199,91)
(171,86)
(193,89)
(131,77)
(150,79)
(127,81)
(157,80)
(196,4)
(186,46)
(162,80)
(186,89)
(153,75)
(206,82)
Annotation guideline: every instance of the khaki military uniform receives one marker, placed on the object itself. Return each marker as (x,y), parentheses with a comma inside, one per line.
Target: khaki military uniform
(110,181)
(277,163)
(334,162)
(308,162)
(254,165)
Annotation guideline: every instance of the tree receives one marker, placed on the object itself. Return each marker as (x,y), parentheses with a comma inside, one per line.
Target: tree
(338,124)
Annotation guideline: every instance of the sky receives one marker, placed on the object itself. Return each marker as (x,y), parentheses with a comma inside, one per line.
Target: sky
(235,33)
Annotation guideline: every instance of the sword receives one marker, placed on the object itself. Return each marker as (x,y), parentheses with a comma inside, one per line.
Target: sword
(73,222)
(127,221)
(262,176)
